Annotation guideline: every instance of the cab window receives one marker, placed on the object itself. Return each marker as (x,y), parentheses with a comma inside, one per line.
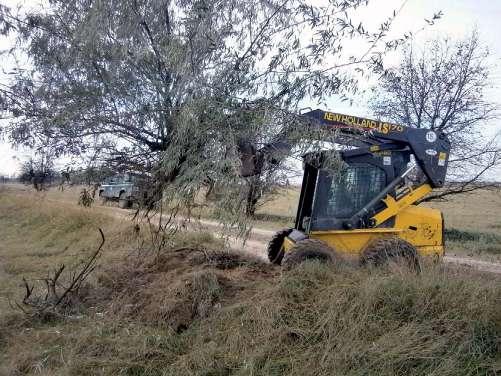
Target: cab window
(341,195)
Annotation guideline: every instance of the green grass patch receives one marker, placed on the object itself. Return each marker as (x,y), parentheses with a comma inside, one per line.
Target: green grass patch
(475,242)
(461,235)
(265,217)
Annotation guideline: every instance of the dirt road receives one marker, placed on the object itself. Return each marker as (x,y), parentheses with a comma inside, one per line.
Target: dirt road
(258,240)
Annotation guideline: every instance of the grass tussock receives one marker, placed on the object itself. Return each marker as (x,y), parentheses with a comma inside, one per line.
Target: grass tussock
(314,319)
(172,289)
(461,235)
(325,321)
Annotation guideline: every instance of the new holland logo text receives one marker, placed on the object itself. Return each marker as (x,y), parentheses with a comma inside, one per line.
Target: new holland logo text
(353,121)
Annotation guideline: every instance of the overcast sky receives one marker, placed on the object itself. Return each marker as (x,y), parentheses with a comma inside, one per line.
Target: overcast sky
(459,19)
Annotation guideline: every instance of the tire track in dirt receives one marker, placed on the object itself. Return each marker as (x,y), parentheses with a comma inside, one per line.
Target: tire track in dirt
(483,266)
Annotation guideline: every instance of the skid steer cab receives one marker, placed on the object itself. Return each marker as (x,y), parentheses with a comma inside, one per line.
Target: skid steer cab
(362,211)
(365,210)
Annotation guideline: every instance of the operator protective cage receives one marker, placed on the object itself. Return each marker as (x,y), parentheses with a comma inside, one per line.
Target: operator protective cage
(348,198)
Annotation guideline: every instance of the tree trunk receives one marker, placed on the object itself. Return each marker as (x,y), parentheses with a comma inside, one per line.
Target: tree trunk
(253,195)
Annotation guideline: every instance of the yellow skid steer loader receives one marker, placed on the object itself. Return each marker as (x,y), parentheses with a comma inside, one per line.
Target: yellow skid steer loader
(365,211)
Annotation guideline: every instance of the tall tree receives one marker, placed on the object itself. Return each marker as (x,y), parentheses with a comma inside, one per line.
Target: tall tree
(167,86)
(443,87)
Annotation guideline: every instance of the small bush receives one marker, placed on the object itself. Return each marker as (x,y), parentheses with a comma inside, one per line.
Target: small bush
(475,242)
(86,198)
(460,235)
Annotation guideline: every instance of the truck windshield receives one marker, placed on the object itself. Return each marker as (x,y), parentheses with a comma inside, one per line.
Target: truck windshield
(340,195)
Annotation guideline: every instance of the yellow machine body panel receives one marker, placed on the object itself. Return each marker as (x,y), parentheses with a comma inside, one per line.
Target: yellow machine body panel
(423,228)
(420,226)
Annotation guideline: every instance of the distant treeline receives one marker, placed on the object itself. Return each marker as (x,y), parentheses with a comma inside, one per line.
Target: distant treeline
(32,174)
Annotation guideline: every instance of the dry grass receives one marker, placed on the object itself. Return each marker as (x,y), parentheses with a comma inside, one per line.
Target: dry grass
(475,211)
(37,235)
(282,205)
(475,244)
(171,289)
(349,322)
(193,309)
(314,320)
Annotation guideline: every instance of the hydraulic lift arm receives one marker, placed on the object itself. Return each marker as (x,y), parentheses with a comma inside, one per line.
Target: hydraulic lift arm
(430,148)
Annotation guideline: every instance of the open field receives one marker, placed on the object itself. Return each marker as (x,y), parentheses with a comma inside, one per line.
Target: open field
(478,211)
(189,308)
(472,220)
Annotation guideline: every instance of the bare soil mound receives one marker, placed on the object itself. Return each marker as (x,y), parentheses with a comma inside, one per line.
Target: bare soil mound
(177,286)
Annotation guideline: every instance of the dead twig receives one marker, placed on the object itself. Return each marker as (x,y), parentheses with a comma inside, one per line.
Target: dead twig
(56,295)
